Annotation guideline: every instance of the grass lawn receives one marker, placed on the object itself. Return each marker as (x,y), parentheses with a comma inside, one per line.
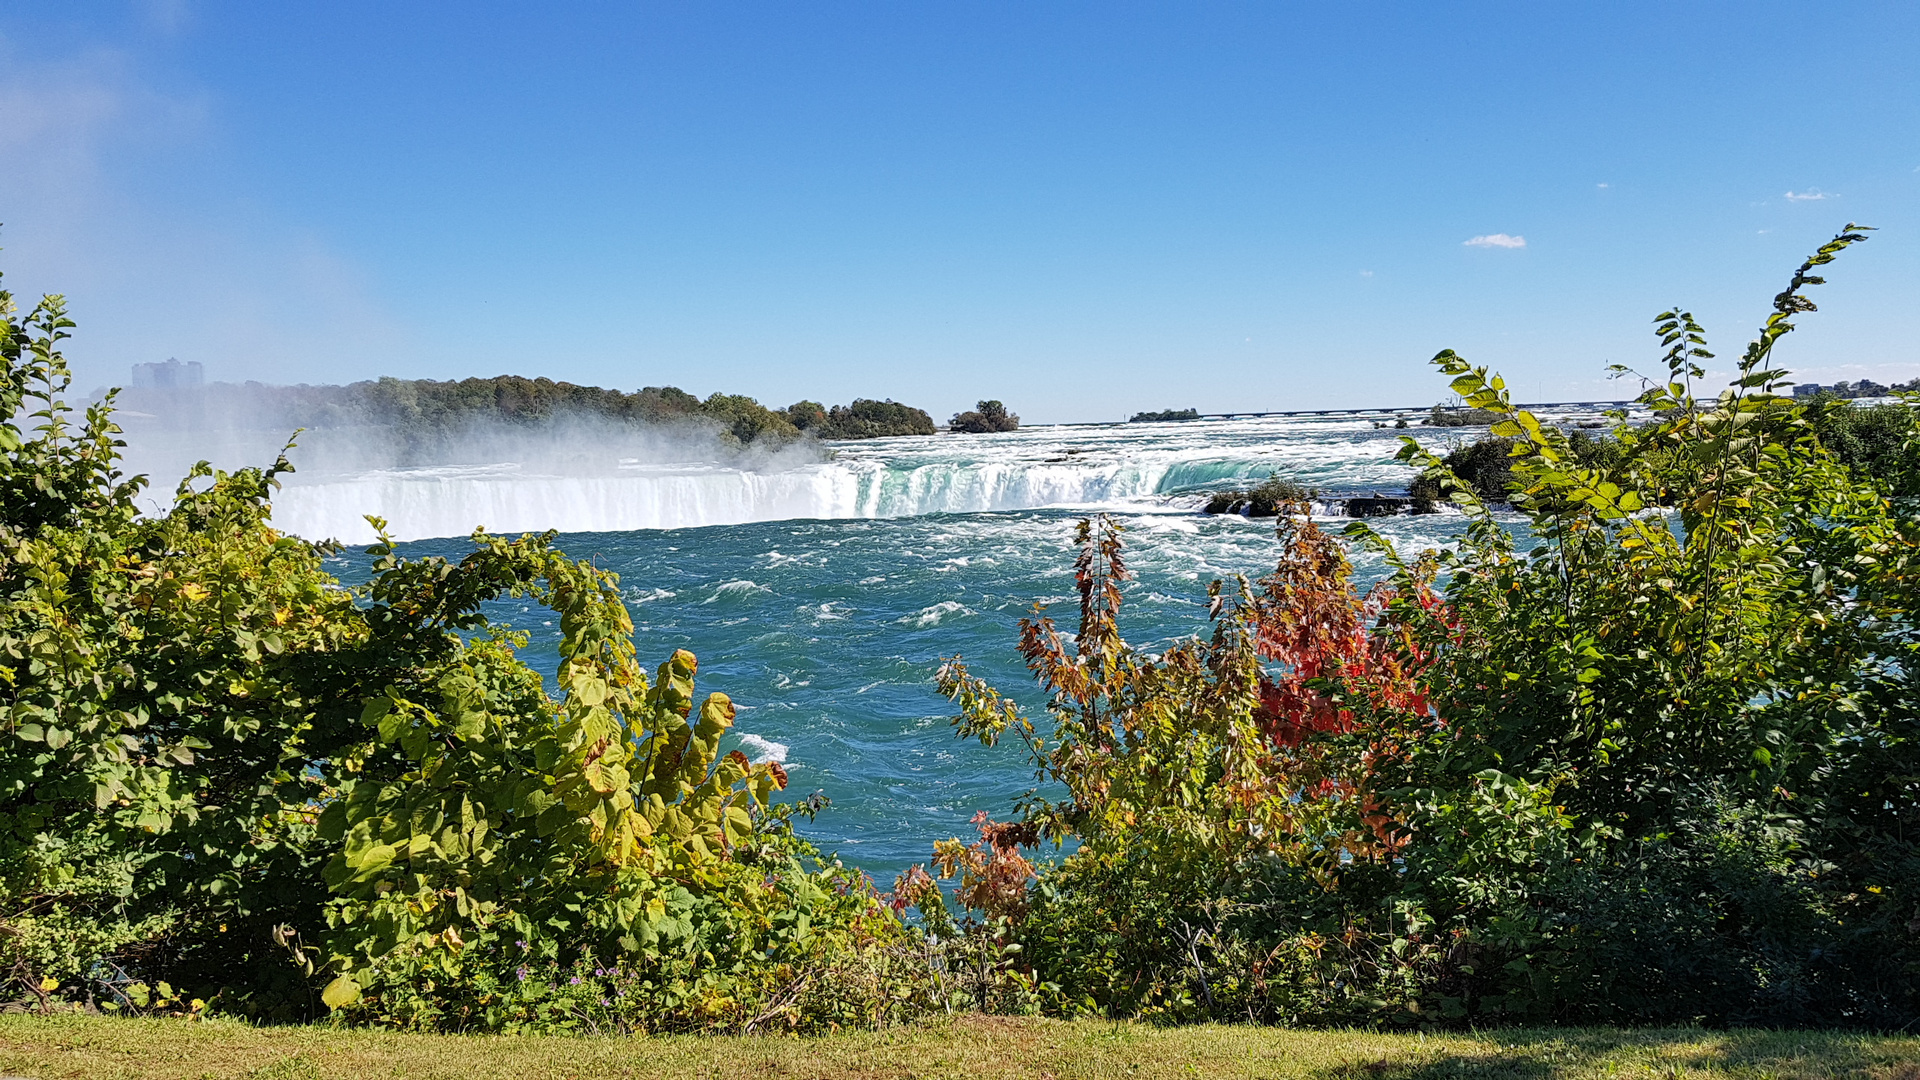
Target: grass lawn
(974,1048)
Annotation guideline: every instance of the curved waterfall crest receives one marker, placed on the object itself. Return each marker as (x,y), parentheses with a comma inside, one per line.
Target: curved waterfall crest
(604,485)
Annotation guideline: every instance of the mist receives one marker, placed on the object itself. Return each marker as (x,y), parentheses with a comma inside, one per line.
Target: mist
(566,470)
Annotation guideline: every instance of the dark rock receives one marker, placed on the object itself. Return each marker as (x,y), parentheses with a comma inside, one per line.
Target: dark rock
(1377,506)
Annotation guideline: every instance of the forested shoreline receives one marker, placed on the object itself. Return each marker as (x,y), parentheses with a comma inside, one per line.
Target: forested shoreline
(1653,759)
(424,413)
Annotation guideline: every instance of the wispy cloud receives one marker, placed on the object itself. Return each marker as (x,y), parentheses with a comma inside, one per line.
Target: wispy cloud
(1366,273)
(1603,184)
(1809,195)
(248,293)
(1496,240)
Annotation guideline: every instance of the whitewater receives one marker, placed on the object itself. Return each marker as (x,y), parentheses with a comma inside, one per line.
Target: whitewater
(822,596)
(1141,466)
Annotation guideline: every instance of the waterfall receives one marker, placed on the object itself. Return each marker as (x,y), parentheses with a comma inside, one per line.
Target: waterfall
(593,487)
(422,503)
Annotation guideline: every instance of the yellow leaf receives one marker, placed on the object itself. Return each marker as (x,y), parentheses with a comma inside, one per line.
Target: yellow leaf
(49,983)
(341,991)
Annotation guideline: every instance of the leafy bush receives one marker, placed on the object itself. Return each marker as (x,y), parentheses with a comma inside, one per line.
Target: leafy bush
(224,772)
(1268,498)
(1482,465)
(1871,441)
(1655,762)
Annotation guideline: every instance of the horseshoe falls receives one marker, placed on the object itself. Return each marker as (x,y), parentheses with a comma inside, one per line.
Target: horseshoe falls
(823,596)
(1126,466)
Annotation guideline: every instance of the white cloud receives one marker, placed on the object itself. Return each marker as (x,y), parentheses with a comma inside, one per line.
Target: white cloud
(1603,185)
(249,292)
(1809,195)
(1496,240)
(1366,273)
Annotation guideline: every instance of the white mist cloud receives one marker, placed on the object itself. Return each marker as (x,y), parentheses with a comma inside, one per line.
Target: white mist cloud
(1496,240)
(1809,195)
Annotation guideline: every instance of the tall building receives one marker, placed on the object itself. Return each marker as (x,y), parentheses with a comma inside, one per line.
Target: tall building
(172,375)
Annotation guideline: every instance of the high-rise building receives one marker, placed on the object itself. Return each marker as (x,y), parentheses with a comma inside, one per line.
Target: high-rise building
(172,375)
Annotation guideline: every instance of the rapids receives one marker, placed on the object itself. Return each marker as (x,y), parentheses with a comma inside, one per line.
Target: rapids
(822,598)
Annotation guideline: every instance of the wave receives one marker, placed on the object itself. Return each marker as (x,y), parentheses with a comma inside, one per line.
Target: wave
(932,615)
(759,749)
(734,589)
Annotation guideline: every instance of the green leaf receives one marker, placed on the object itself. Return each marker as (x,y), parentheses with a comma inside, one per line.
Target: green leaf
(590,689)
(470,726)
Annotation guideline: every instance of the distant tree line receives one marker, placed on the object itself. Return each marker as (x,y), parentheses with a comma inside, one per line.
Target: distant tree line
(1863,388)
(1163,416)
(1870,441)
(421,411)
(864,419)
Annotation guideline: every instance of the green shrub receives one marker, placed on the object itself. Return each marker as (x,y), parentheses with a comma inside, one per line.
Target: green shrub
(1653,760)
(1482,466)
(1872,441)
(1268,498)
(226,773)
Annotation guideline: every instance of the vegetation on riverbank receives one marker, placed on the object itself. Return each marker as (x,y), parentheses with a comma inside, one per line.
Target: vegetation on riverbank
(1871,441)
(1164,416)
(1631,766)
(230,783)
(1655,760)
(424,417)
(971,1048)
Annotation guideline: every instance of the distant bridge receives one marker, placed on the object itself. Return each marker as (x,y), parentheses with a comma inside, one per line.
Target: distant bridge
(1410,409)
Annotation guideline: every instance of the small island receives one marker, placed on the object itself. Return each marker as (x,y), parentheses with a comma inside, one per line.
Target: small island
(984,418)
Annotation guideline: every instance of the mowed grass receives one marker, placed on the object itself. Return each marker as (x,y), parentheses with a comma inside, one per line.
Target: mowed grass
(972,1048)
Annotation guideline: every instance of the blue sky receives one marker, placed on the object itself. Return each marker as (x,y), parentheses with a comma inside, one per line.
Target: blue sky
(1082,209)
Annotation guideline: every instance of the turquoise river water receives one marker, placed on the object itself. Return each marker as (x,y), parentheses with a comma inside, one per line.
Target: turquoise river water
(823,596)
